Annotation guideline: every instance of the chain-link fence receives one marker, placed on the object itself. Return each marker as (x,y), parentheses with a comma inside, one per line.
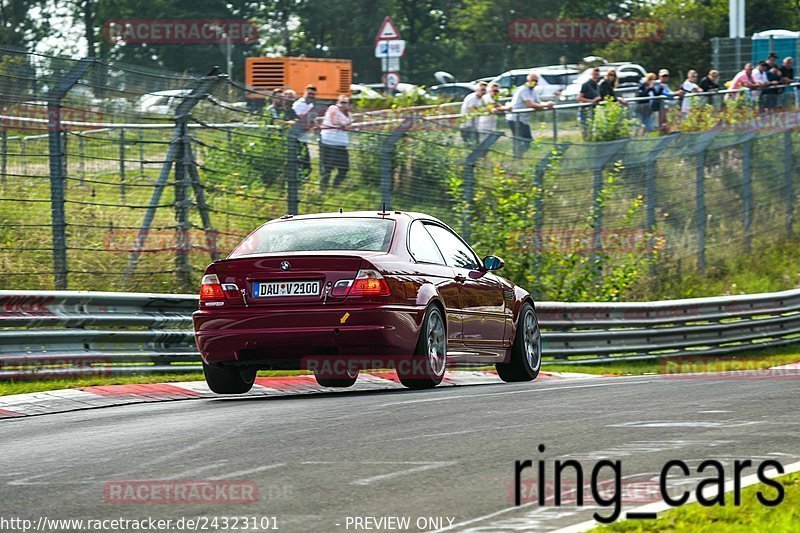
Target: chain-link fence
(116,178)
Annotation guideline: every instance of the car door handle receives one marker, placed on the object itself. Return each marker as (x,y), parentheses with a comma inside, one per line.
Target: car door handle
(459,278)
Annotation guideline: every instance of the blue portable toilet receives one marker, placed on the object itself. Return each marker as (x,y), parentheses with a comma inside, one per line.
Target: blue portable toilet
(782,42)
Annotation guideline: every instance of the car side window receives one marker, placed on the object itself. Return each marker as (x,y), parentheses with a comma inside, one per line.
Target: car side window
(455,252)
(422,247)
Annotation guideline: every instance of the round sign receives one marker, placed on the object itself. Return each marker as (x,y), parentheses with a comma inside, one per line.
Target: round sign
(391,80)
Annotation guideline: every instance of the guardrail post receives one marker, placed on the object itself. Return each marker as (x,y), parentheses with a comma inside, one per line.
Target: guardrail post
(469,181)
(122,164)
(747,193)
(293,169)
(200,91)
(700,210)
(58,170)
(386,155)
(788,177)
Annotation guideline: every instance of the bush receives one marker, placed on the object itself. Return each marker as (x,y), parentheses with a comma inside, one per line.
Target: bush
(610,122)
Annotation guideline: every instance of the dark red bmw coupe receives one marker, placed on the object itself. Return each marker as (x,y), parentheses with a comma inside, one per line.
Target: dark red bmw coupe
(341,292)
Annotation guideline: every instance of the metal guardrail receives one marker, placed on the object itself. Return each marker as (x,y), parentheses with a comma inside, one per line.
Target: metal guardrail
(44,333)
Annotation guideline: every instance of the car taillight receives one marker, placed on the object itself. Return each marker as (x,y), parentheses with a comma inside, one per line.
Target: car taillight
(368,283)
(211,290)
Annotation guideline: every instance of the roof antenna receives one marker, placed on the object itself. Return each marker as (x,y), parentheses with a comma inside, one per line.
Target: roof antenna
(384,210)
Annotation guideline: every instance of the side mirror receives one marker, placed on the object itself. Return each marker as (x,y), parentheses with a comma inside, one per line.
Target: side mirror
(492,262)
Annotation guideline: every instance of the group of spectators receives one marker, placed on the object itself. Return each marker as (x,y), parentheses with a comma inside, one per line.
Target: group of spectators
(303,113)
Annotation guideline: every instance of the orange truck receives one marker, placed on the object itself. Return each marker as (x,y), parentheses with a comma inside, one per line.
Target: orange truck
(331,76)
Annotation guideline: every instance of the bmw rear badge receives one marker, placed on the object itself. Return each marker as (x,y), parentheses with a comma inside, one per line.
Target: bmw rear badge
(285,265)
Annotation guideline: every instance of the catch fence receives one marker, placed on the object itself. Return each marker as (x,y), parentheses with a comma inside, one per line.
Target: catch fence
(105,185)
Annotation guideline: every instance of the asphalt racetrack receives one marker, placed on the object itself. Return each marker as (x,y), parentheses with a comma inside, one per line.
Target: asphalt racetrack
(445,456)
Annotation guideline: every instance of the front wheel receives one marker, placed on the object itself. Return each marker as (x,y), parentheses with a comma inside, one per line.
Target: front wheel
(425,369)
(229,379)
(526,353)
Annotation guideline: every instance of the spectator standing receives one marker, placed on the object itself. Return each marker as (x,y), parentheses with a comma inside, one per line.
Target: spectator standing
(711,82)
(607,87)
(760,80)
(771,95)
(662,89)
(277,108)
(470,106)
(689,86)
(487,122)
(303,109)
(742,80)
(589,94)
(525,97)
(646,108)
(289,97)
(787,75)
(334,142)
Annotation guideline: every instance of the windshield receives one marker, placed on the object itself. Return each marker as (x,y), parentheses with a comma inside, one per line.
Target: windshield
(319,234)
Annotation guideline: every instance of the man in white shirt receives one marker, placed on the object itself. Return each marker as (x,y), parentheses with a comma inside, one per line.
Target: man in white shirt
(760,80)
(689,86)
(334,141)
(303,109)
(472,105)
(524,98)
(487,122)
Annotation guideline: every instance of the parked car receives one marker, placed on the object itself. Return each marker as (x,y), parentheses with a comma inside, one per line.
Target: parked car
(340,292)
(452,91)
(358,92)
(629,76)
(552,79)
(161,102)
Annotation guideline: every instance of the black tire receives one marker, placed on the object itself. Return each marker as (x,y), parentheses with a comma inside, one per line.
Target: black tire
(425,369)
(526,353)
(229,379)
(346,379)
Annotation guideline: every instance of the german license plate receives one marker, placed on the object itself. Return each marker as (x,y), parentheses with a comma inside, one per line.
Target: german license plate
(271,289)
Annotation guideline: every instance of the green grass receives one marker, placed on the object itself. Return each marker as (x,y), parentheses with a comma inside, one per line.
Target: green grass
(750,516)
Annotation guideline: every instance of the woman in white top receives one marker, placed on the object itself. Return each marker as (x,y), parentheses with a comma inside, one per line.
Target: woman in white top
(689,86)
(487,122)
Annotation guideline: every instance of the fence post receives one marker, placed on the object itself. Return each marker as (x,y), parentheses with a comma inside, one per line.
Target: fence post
(57,170)
(469,181)
(203,87)
(141,151)
(700,210)
(555,125)
(182,203)
(122,164)
(81,158)
(747,193)
(202,205)
(788,176)
(22,161)
(386,155)
(293,169)
(4,161)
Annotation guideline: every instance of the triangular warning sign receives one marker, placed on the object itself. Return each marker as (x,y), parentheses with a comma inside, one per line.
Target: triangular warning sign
(388,30)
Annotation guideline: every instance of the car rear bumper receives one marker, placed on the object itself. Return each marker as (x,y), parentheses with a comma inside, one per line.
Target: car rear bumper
(288,338)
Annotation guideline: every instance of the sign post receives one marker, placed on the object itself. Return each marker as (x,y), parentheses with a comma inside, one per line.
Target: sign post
(389,48)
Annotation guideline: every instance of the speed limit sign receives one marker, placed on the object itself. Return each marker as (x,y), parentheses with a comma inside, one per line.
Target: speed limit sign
(391,80)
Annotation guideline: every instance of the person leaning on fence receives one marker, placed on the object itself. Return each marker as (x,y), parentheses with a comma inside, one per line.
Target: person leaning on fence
(607,88)
(305,114)
(277,106)
(487,121)
(761,80)
(742,80)
(787,77)
(334,142)
(662,90)
(589,94)
(646,108)
(470,106)
(525,97)
(689,86)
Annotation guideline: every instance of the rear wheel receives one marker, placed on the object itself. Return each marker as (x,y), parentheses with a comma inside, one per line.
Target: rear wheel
(425,369)
(229,379)
(526,353)
(345,379)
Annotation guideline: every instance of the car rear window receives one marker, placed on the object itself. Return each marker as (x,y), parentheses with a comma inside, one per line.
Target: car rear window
(319,234)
